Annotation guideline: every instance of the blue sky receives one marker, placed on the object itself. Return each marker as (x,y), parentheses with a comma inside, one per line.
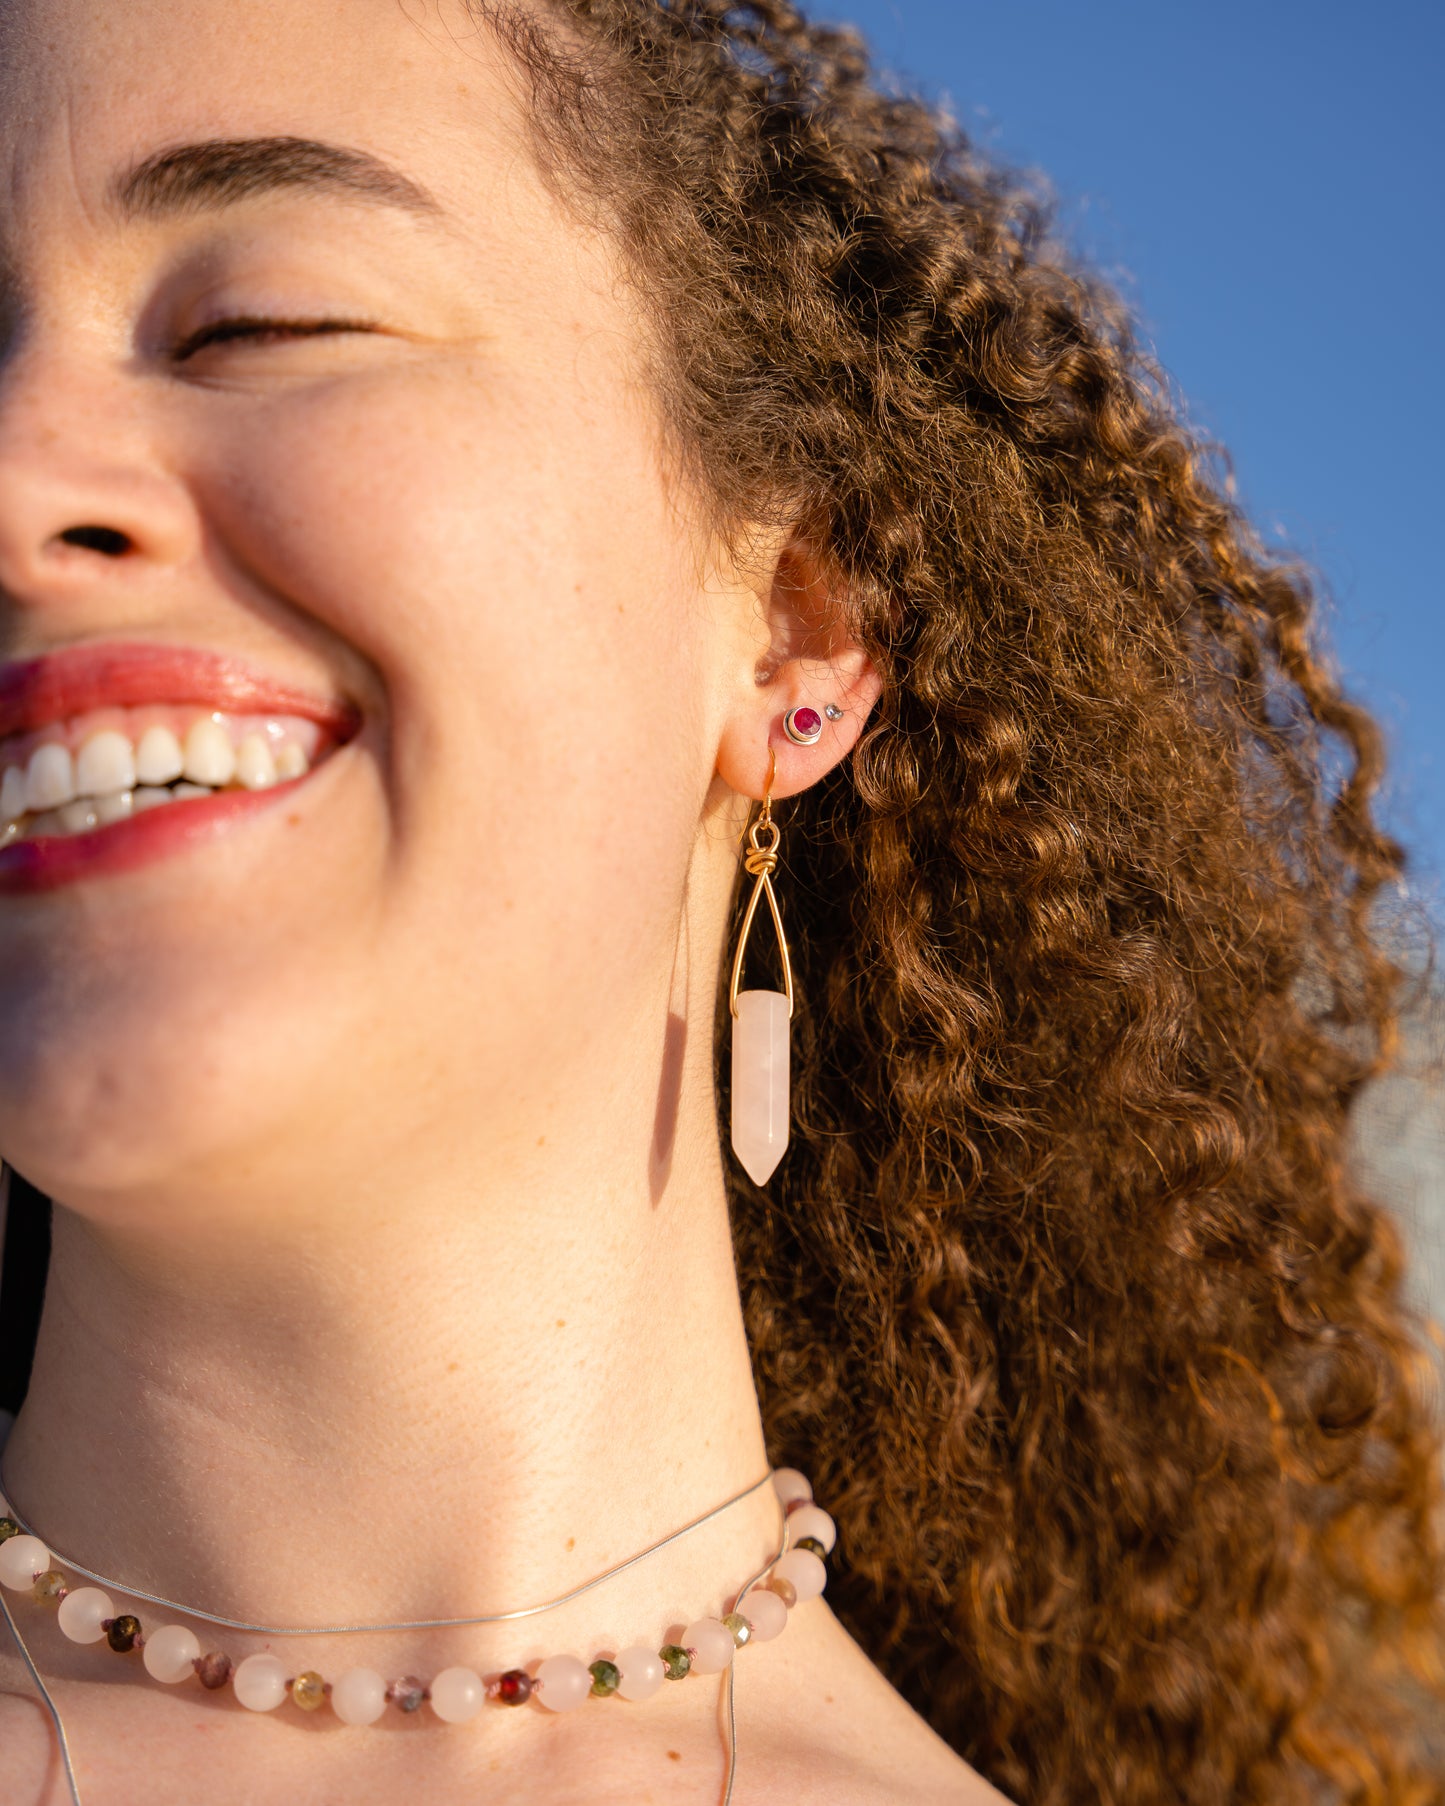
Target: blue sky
(1263,183)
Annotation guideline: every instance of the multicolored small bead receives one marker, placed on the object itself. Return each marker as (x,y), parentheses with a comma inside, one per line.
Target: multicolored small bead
(408,1693)
(606,1678)
(8,1528)
(676,1663)
(812,1545)
(213,1670)
(49,1588)
(123,1633)
(742,1631)
(514,1688)
(308,1690)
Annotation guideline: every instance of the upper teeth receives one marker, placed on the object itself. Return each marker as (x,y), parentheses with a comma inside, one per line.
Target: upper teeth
(215,750)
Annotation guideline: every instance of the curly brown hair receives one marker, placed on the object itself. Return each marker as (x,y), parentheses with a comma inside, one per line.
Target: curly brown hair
(1064,1292)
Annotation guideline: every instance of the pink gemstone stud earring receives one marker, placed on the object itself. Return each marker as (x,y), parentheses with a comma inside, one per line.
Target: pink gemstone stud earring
(803,726)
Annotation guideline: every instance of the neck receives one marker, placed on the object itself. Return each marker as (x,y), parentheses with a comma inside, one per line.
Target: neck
(466,1406)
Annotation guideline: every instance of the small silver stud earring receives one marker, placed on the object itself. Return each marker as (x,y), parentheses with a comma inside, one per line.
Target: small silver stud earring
(832,711)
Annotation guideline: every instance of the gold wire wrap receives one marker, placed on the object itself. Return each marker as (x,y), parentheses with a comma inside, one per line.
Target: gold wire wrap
(761,863)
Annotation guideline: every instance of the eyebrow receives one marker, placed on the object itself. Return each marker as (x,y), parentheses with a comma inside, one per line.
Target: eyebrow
(220,172)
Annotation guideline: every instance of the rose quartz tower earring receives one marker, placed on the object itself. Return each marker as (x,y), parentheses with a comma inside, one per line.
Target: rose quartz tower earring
(761,1019)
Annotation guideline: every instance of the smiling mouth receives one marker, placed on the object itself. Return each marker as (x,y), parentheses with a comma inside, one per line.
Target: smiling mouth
(102,767)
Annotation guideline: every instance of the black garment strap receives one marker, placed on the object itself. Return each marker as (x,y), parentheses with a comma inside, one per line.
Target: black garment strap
(25,1261)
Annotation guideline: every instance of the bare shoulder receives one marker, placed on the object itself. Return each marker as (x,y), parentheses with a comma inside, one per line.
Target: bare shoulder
(851,1740)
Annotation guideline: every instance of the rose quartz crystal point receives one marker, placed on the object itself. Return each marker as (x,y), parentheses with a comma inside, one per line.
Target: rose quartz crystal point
(760,1082)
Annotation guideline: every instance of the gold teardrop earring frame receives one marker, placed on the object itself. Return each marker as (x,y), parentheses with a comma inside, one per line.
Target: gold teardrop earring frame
(761,862)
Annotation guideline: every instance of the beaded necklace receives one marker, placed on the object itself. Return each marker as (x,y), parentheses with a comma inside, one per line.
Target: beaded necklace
(172,1653)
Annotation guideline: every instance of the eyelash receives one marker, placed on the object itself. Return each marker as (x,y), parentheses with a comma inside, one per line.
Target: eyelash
(257,327)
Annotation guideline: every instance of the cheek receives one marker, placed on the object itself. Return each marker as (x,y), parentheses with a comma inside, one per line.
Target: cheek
(509,563)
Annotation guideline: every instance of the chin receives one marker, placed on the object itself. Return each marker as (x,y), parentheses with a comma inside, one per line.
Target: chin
(90,1118)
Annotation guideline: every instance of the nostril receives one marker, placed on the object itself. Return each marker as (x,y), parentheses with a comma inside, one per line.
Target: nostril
(97,539)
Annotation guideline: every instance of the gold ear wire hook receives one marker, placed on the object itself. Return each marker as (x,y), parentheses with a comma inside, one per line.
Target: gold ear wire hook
(761,863)
(764,817)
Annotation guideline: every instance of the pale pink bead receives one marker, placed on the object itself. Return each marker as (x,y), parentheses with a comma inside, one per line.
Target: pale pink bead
(766,1613)
(812,1520)
(710,1644)
(22,1561)
(170,1653)
(260,1682)
(81,1612)
(792,1487)
(562,1683)
(359,1696)
(457,1695)
(641,1671)
(804,1570)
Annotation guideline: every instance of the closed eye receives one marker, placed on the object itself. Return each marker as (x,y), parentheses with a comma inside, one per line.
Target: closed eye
(259,329)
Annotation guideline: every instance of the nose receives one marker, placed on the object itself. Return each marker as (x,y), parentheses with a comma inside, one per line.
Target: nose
(90,511)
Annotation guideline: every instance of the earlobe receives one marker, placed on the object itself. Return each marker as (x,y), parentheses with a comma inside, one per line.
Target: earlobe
(806,699)
(815,729)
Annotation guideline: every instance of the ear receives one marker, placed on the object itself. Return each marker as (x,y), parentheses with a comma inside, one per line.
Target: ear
(800,653)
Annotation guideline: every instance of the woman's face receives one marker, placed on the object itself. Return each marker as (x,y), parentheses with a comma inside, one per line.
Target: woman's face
(450,508)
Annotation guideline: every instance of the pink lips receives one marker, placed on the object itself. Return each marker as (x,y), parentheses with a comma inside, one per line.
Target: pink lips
(36,692)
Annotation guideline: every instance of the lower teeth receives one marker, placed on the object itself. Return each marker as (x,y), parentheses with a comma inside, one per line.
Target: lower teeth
(89,812)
